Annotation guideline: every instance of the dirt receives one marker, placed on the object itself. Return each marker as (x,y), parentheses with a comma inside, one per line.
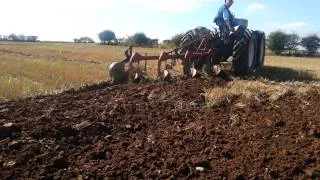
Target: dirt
(160,131)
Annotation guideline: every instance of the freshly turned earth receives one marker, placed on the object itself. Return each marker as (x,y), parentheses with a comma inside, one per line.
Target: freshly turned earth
(160,130)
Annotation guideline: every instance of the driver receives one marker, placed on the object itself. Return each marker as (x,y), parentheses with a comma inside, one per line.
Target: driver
(224,19)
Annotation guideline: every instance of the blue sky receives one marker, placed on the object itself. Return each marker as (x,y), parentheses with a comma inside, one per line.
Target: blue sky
(67,19)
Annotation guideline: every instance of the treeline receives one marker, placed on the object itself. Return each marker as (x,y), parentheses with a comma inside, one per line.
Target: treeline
(281,43)
(108,37)
(83,40)
(14,37)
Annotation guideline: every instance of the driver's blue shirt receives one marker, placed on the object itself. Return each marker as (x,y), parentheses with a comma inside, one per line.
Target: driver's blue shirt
(224,15)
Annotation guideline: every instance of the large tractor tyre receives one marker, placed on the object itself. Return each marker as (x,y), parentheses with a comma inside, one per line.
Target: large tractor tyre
(187,45)
(244,53)
(189,39)
(189,42)
(261,49)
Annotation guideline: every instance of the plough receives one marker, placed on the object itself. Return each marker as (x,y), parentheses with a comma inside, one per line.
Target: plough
(201,51)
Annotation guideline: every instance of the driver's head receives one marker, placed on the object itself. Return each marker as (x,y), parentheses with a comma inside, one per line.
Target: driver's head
(229,3)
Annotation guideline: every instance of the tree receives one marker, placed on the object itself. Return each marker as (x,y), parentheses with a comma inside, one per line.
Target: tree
(13,37)
(86,40)
(311,43)
(277,41)
(122,41)
(138,39)
(5,38)
(31,38)
(107,36)
(21,37)
(293,41)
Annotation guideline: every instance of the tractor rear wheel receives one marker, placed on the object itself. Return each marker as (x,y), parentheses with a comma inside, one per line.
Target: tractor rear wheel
(244,54)
(190,42)
(187,45)
(261,40)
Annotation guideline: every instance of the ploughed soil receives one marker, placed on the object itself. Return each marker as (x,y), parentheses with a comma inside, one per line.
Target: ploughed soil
(160,131)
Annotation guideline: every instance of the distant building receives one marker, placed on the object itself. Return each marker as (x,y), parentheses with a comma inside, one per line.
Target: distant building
(154,42)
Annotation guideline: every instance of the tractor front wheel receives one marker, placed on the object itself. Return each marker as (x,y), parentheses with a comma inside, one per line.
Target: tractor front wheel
(244,54)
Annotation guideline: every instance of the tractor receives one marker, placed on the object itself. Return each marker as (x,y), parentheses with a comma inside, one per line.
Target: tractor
(201,51)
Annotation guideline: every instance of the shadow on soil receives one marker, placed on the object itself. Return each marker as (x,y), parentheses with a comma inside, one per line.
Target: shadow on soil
(281,74)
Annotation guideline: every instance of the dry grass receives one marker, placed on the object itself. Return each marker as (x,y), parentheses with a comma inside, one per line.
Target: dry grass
(279,76)
(247,89)
(30,69)
(22,76)
(71,51)
(291,68)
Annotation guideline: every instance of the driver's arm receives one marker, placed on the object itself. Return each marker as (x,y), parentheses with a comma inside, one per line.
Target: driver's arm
(226,17)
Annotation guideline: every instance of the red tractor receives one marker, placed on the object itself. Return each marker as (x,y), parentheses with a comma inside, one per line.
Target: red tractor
(202,51)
